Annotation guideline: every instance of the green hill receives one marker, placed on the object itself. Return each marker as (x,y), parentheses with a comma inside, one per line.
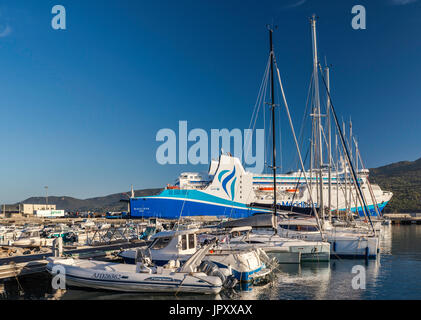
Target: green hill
(404,180)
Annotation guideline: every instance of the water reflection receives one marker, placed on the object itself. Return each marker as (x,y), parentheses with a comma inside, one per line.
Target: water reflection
(83,294)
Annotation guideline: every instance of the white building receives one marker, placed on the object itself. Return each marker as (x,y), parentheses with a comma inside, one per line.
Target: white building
(31,209)
(49,213)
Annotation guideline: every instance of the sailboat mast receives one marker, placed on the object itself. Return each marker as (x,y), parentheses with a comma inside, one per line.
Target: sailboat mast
(273,124)
(317,114)
(329,144)
(350,155)
(337,175)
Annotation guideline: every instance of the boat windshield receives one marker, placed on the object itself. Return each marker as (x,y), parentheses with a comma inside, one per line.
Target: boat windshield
(160,243)
(295,227)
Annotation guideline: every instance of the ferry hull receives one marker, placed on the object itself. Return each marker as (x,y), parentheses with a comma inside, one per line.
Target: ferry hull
(173,208)
(371,209)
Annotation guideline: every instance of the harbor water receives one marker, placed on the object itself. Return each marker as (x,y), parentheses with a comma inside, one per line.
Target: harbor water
(393,275)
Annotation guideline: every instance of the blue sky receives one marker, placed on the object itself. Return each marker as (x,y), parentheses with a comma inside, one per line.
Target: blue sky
(80,108)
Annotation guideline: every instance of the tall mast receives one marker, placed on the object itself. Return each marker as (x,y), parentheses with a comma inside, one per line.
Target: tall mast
(348,159)
(345,175)
(273,124)
(337,175)
(329,142)
(358,177)
(350,155)
(317,114)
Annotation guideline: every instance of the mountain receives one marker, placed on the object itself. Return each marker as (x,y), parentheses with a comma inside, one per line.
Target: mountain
(404,180)
(99,204)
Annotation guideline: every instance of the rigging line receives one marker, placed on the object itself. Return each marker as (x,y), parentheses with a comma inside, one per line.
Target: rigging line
(341,185)
(259,97)
(334,166)
(268,136)
(280,133)
(265,75)
(258,103)
(264,131)
(298,148)
(250,142)
(373,198)
(354,176)
(264,111)
(298,181)
(305,115)
(182,208)
(264,118)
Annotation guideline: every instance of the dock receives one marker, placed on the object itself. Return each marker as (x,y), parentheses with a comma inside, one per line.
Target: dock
(404,218)
(14,266)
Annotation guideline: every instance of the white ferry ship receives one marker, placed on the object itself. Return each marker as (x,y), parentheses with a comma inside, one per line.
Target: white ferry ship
(229,190)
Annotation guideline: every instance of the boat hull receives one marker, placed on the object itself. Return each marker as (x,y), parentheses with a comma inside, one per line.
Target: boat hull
(223,260)
(97,275)
(350,246)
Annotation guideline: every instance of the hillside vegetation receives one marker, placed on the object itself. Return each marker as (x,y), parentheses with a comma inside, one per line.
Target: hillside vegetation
(98,204)
(404,180)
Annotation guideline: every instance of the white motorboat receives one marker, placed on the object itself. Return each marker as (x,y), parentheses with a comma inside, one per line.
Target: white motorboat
(246,263)
(140,277)
(30,238)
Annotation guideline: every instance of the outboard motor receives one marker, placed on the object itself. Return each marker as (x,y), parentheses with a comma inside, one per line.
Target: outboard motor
(230,282)
(211,269)
(219,274)
(207,267)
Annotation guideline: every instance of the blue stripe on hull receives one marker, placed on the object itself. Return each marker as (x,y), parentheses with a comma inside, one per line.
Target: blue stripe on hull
(171,208)
(370,208)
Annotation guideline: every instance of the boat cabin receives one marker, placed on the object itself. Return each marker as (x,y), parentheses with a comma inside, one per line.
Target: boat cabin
(299,225)
(182,242)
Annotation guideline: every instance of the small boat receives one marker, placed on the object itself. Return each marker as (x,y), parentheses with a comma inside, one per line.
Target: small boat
(30,238)
(142,277)
(245,263)
(284,250)
(259,231)
(386,222)
(344,242)
(87,224)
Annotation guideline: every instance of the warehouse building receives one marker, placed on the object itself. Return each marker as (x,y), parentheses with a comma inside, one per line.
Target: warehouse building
(25,209)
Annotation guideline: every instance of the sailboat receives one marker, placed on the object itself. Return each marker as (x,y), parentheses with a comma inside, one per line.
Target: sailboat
(272,243)
(345,242)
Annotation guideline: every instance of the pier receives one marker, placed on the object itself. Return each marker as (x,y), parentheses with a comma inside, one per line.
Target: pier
(34,263)
(404,218)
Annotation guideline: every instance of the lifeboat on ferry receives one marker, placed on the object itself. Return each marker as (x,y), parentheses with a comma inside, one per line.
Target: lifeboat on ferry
(291,190)
(266,188)
(169,187)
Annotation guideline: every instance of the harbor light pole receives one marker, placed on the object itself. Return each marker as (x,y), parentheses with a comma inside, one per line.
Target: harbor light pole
(46,197)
